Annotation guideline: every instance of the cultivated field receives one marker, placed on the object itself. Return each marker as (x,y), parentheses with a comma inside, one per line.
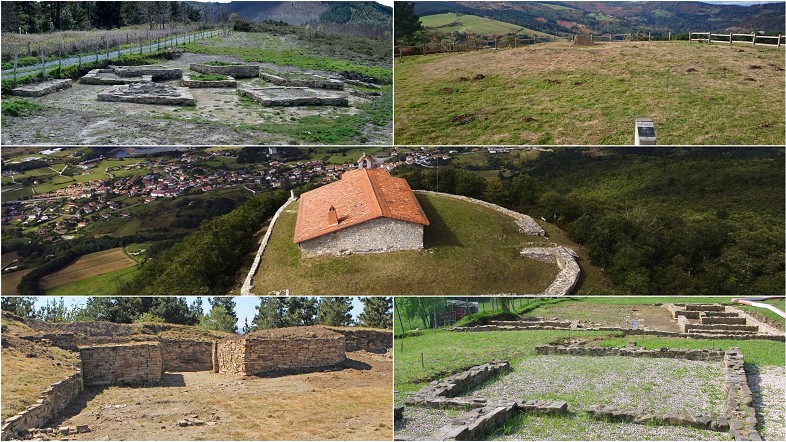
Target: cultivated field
(469,249)
(88,266)
(349,404)
(11,280)
(452,22)
(555,93)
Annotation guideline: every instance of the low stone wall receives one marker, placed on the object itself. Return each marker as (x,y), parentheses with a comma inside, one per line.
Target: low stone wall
(121,364)
(526,224)
(739,398)
(234,70)
(187,81)
(365,339)
(569,269)
(701,421)
(50,403)
(319,83)
(636,352)
(185,355)
(149,93)
(245,289)
(230,356)
(453,386)
(155,71)
(108,77)
(43,88)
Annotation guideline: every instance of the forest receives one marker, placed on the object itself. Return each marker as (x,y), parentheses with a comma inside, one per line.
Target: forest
(272,312)
(658,221)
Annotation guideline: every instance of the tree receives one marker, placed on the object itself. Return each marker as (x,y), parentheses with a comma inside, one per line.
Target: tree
(126,310)
(406,23)
(56,311)
(334,311)
(219,319)
(18,305)
(299,310)
(270,313)
(228,303)
(376,312)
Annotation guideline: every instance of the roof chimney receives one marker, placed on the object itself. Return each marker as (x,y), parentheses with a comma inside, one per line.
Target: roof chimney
(332,216)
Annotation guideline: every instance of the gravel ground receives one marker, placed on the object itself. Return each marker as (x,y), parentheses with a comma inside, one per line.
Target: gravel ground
(654,385)
(769,390)
(565,428)
(419,423)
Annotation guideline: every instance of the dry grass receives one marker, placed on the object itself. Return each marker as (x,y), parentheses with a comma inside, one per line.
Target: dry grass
(24,378)
(93,264)
(469,249)
(558,94)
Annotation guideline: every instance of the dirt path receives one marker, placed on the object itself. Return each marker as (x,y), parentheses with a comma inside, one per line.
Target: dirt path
(349,404)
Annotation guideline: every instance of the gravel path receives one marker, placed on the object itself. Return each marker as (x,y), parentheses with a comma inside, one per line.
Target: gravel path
(419,422)
(769,391)
(654,385)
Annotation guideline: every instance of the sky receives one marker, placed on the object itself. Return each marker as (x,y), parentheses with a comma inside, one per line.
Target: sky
(245,305)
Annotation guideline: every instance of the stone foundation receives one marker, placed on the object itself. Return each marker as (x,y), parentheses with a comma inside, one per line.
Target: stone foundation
(292,96)
(108,77)
(700,421)
(636,352)
(149,93)
(123,364)
(316,82)
(188,82)
(739,398)
(234,70)
(281,350)
(41,89)
(453,386)
(50,403)
(376,236)
(569,270)
(157,72)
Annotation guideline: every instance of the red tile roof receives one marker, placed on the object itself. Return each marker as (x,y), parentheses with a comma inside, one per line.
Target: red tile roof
(360,195)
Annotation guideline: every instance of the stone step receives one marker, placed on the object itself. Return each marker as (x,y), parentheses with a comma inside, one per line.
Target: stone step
(721,314)
(720,328)
(705,307)
(708,320)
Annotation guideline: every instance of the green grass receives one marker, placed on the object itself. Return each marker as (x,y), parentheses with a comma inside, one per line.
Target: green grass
(552,94)
(100,285)
(260,47)
(221,63)
(472,24)
(758,352)
(16,107)
(445,353)
(469,249)
(207,77)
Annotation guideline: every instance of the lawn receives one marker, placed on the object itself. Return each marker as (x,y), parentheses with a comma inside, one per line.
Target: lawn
(555,93)
(469,249)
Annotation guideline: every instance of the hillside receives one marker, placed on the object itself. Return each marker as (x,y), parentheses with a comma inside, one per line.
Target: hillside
(300,13)
(472,24)
(620,17)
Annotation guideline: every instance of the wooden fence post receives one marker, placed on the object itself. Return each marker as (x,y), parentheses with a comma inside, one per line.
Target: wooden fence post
(779,41)
(669,35)
(649,36)
(754,39)
(16,57)
(731,37)
(43,64)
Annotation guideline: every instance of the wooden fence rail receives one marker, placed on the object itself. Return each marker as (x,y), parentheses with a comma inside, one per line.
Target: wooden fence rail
(751,39)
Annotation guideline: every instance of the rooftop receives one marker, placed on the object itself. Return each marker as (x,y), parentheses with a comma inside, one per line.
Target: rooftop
(360,195)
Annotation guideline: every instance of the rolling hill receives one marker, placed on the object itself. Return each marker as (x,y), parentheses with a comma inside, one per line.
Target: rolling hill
(299,13)
(562,18)
(455,22)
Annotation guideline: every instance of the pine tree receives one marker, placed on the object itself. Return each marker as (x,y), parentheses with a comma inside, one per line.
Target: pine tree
(219,319)
(18,305)
(334,311)
(299,310)
(376,312)
(270,313)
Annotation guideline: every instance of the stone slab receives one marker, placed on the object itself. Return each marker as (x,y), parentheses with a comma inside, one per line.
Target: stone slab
(187,81)
(233,70)
(43,88)
(108,77)
(149,93)
(158,72)
(292,96)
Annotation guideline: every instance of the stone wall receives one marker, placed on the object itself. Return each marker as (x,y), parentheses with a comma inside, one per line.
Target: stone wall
(245,289)
(676,353)
(739,398)
(187,81)
(526,224)
(230,356)
(375,236)
(121,364)
(234,70)
(453,386)
(51,402)
(569,269)
(185,355)
(364,339)
(264,355)
(701,421)
(156,72)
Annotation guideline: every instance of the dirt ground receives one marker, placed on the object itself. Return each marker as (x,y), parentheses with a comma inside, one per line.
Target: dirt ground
(353,403)
(642,315)
(217,118)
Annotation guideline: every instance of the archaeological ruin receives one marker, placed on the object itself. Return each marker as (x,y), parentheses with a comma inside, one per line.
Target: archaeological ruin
(292,96)
(140,354)
(149,93)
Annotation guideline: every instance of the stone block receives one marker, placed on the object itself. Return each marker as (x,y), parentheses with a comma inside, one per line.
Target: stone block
(188,81)
(234,70)
(292,96)
(149,93)
(43,88)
